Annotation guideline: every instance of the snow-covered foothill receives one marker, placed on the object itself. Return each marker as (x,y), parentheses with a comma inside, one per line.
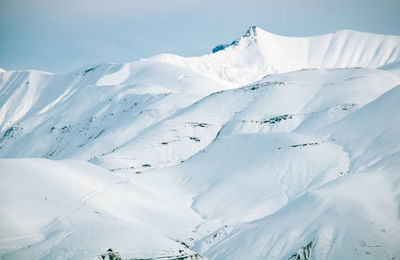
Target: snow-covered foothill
(75,210)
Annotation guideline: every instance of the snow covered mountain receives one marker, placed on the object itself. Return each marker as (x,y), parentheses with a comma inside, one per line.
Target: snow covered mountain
(270,147)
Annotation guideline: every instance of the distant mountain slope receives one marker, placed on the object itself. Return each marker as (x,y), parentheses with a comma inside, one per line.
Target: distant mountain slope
(258,53)
(87,113)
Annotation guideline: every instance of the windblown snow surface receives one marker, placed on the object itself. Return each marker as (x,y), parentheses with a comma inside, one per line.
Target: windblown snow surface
(271,147)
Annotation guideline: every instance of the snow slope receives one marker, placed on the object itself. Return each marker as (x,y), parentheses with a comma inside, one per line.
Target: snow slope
(354,217)
(78,111)
(271,147)
(75,210)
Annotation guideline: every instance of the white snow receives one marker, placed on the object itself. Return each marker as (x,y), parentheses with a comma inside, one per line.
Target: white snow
(259,53)
(73,209)
(271,148)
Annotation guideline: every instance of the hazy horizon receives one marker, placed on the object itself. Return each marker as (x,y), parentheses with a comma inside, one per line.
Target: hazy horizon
(65,35)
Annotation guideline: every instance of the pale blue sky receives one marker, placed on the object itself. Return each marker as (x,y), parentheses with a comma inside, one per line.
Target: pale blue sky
(63,35)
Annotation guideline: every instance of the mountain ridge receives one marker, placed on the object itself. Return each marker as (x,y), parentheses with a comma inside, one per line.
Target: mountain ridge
(252,57)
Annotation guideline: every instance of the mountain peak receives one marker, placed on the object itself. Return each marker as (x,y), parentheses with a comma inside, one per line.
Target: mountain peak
(250,33)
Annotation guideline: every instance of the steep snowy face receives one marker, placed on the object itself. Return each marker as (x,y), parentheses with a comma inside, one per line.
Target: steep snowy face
(92,111)
(258,53)
(271,147)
